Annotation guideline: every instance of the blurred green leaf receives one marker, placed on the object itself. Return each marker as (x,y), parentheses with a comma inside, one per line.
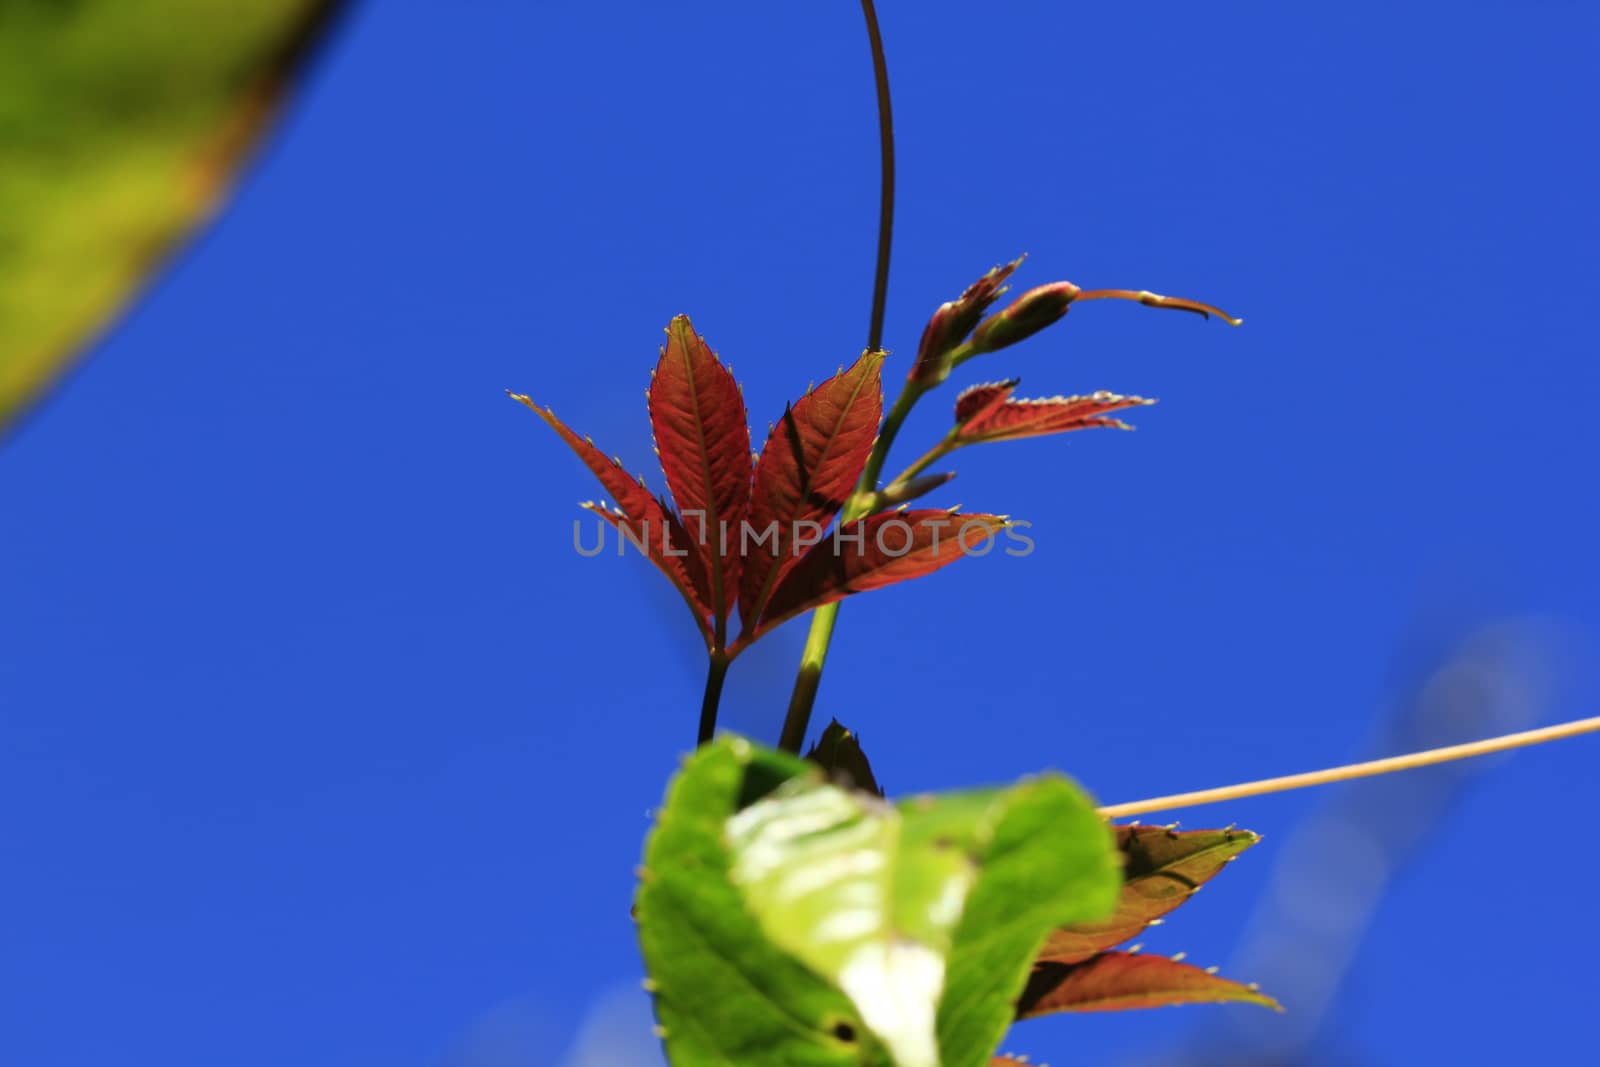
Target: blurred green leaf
(724,994)
(122,125)
(788,920)
(865,894)
(1049,860)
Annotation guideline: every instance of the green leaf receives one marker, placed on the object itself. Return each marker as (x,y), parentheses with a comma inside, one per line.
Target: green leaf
(1163,868)
(1048,860)
(788,920)
(724,993)
(867,894)
(123,124)
(838,751)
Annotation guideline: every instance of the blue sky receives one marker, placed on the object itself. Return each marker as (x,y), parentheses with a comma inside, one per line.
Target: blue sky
(319,745)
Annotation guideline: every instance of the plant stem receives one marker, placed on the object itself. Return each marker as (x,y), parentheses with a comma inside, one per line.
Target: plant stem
(880,74)
(860,502)
(716,673)
(820,635)
(1355,770)
(809,678)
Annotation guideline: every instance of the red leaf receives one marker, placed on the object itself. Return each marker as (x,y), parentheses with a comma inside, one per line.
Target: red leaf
(646,520)
(807,469)
(703,438)
(1161,870)
(979,399)
(1009,420)
(1118,981)
(870,553)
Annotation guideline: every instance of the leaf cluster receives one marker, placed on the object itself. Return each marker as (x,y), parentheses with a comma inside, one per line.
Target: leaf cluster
(789,913)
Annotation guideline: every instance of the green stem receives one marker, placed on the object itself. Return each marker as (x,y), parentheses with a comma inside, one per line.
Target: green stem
(716,673)
(860,502)
(820,635)
(809,678)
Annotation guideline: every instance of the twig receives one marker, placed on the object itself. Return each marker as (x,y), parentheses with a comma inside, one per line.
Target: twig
(1355,770)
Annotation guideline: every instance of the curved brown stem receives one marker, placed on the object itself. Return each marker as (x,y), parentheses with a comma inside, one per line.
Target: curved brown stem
(820,636)
(880,281)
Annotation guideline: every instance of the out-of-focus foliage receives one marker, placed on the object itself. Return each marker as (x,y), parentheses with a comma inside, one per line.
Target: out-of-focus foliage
(788,920)
(121,125)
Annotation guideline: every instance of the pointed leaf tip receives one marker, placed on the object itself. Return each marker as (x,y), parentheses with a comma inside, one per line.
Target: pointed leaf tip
(977,400)
(953,322)
(703,437)
(806,471)
(1162,869)
(641,518)
(1122,981)
(838,751)
(988,413)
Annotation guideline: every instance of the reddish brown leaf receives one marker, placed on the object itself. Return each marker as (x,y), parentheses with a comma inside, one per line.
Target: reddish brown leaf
(1011,1061)
(646,537)
(808,467)
(1009,420)
(879,550)
(1162,869)
(685,548)
(703,439)
(979,399)
(648,523)
(1118,981)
